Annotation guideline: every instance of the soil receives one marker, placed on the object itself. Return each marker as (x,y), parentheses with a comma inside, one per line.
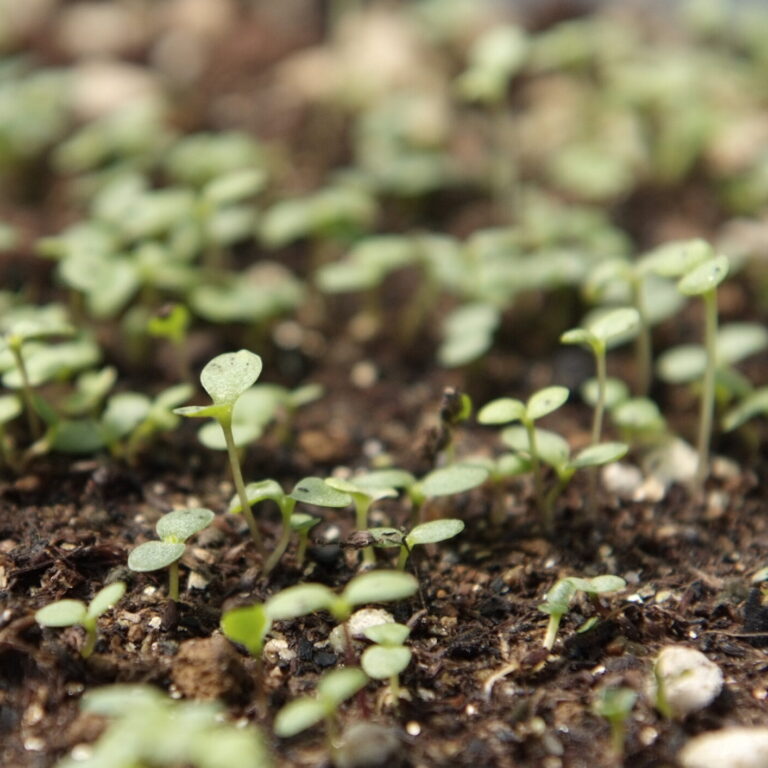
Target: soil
(481,690)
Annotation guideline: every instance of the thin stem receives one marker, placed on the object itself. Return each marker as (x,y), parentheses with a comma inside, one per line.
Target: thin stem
(173,581)
(552,627)
(301,550)
(617,736)
(707,409)
(362,505)
(403,557)
(90,638)
(643,341)
(286,510)
(535,466)
(597,419)
(394,688)
(35,427)
(237,476)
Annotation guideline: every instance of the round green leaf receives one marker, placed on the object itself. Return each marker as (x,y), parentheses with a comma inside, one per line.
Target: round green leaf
(512,464)
(682,364)
(385,478)
(390,633)
(434,531)
(597,455)
(755,404)
(381,662)
(606,583)
(297,716)
(615,703)
(314,490)
(551,447)
(227,376)
(248,626)
(578,336)
(501,411)
(677,258)
(386,537)
(235,186)
(558,598)
(379,587)
(301,522)
(299,601)
(63,613)
(638,414)
(211,435)
(340,684)
(105,598)
(456,478)
(737,341)
(180,524)
(255,492)
(545,401)
(616,323)
(10,408)
(346,486)
(154,555)
(705,277)
(616,391)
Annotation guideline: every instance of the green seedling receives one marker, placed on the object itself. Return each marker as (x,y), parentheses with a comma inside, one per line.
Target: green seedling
(753,404)
(10,409)
(310,490)
(333,690)
(302,524)
(75,613)
(172,323)
(615,705)
(558,599)
(700,270)
(389,657)
(445,481)
(146,727)
(426,533)
(173,529)
(540,404)
(225,379)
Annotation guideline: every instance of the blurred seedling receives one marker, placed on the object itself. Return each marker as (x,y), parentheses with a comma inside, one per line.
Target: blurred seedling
(333,690)
(431,532)
(558,598)
(310,490)
(173,529)
(540,404)
(75,613)
(146,727)
(302,524)
(225,379)
(700,270)
(389,657)
(10,409)
(445,481)
(615,705)
(171,322)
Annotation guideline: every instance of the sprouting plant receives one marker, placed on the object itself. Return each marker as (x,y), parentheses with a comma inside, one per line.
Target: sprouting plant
(389,657)
(171,322)
(333,690)
(71,613)
(173,529)
(146,727)
(615,705)
(540,404)
(445,481)
(558,598)
(700,270)
(249,625)
(431,532)
(302,524)
(310,490)
(225,379)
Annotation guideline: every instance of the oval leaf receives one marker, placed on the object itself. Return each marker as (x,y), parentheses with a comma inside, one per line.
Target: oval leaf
(180,524)
(154,555)
(456,478)
(597,455)
(299,601)
(558,598)
(753,405)
(682,364)
(382,662)
(677,258)
(314,490)
(340,684)
(227,376)
(105,599)
(501,411)
(388,634)
(379,587)
(301,522)
(434,531)
(737,341)
(248,626)
(551,447)
(297,716)
(606,583)
(256,492)
(385,478)
(545,401)
(617,322)
(705,277)
(63,613)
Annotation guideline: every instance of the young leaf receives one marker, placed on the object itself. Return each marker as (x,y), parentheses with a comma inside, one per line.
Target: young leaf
(180,524)
(705,277)
(386,537)
(597,455)
(434,531)
(340,684)
(605,583)
(501,411)
(551,447)
(677,258)
(545,401)
(63,613)
(299,601)
(301,522)
(227,376)
(298,715)
(615,324)
(682,364)
(248,626)
(755,404)
(379,587)
(559,597)
(256,492)
(381,662)
(105,598)
(456,478)
(314,490)
(388,634)
(385,478)
(154,555)
(616,391)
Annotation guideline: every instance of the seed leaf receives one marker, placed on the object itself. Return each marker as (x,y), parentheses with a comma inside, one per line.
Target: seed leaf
(63,613)
(615,323)
(385,478)
(605,583)
(551,447)
(180,524)
(682,364)
(501,411)
(558,598)
(248,626)
(755,404)
(301,522)
(456,478)
(154,555)
(381,662)
(314,490)
(614,703)
(578,336)
(677,258)
(386,537)
(202,411)
(10,408)
(227,376)
(298,715)
(390,633)
(256,492)
(299,601)
(345,486)
(616,391)
(379,587)
(737,341)
(545,401)
(340,684)
(434,531)
(705,277)
(105,598)
(597,455)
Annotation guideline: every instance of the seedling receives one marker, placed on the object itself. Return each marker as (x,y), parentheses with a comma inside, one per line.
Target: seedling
(333,690)
(559,597)
(445,481)
(389,657)
(171,323)
(225,379)
(302,524)
(615,705)
(173,529)
(508,409)
(426,533)
(10,409)
(75,613)
(146,727)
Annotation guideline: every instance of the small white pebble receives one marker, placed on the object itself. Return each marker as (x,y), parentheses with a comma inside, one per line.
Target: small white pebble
(358,622)
(621,479)
(727,748)
(155,622)
(689,680)
(412,728)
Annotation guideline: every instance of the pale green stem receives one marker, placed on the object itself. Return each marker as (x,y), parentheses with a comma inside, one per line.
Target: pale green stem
(563,478)
(394,688)
(173,581)
(597,420)
(403,557)
(90,638)
(552,627)
(286,510)
(643,341)
(706,414)
(301,550)
(535,466)
(617,735)
(237,476)
(361,512)
(33,419)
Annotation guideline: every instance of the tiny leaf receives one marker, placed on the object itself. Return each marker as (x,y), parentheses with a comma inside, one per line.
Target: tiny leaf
(434,531)
(617,322)
(105,598)
(180,524)
(154,555)
(388,634)
(302,522)
(381,662)
(227,376)
(501,411)
(379,587)
(299,601)
(314,490)
(606,583)
(597,455)
(705,277)
(297,716)
(385,478)
(256,492)
(558,598)
(456,478)
(545,401)
(248,626)
(63,613)
(340,684)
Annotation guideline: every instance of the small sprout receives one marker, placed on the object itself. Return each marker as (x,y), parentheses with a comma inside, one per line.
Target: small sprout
(558,599)
(428,533)
(468,333)
(172,323)
(445,481)
(302,524)
(540,404)
(173,529)
(615,705)
(754,404)
(225,379)
(389,657)
(70,613)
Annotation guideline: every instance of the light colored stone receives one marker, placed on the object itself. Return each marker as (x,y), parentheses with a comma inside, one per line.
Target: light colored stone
(727,748)
(358,622)
(622,479)
(103,87)
(689,680)
(674,461)
(277,649)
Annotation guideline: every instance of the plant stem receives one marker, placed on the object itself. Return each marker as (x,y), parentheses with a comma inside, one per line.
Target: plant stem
(403,557)
(33,419)
(643,342)
(536,467)
(173,581)
(237,476)
(552,627)
(394,688)
(597,420)
(362,505)
(301,550)
(286,509)
(706,413)
(90,638)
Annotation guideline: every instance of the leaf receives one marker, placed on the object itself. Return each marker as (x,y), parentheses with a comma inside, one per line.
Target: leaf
(578,336)
(105,598)
(385,478)
(512,465)
(248,626)
(615,323)
(390,633)
(558,598)
(545,401)
(297,716)
(616,391)
(381,662)
(606,583)
(677,258)
(301,522)
(682,364)
(755,404)
(434,531)
(314,490)
(501,411)
(227,376)
(63,613)
(551,447)
(299,601)
(379,587)
(638,414)
(215,411)
(386,537)
(255,492)
(154,555)
(615,703)
(234,186)
(10,408)
(180,524)
(737,341)
(346,486)
(211,434)
(705,277)
(455,478)
(124,412)
(597,455)
(338,685)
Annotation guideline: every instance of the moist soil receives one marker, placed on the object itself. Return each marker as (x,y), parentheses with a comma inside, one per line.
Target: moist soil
(480,690)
